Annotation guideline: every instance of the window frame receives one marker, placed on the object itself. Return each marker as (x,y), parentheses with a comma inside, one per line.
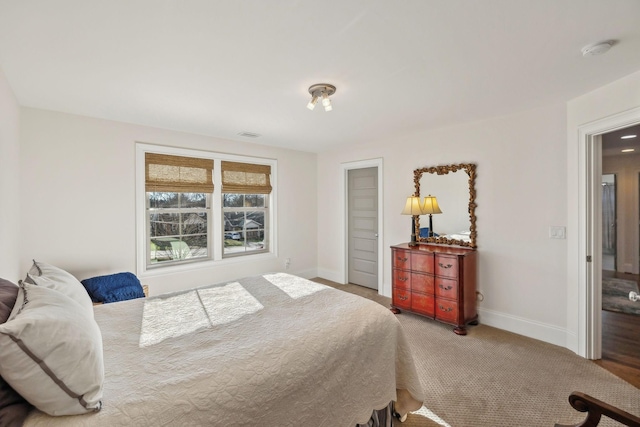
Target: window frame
(180,211)
(266,209)
(216,220)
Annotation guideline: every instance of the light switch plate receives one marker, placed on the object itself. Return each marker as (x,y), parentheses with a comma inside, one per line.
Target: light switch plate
(557,232)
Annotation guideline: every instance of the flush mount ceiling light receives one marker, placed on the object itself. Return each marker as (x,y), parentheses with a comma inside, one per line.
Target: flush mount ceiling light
(321,91)
(597,48)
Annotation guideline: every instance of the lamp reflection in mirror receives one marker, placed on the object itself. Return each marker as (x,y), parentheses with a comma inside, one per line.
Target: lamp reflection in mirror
(413,208)
(430,207)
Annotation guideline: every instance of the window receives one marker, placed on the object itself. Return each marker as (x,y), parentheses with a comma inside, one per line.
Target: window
(178,191)
(178,226)
(184,221)
(245,205)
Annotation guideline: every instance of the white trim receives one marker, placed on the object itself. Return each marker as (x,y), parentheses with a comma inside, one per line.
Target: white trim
(590,229)
(216,211)
(346,167)
(519,325)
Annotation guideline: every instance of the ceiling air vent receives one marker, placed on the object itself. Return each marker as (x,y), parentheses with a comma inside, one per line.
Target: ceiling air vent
(249,134)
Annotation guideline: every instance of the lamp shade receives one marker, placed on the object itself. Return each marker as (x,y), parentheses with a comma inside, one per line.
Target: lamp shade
(430,205)
(412,207)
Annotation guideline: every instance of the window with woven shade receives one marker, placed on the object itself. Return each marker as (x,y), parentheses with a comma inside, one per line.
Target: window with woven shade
(194,208)
(245,207)
(178,193)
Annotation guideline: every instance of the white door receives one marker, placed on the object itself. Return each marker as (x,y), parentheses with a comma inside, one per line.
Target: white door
(363,226)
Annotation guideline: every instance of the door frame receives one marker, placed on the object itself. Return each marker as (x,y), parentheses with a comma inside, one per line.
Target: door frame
(590,228)
(346,167)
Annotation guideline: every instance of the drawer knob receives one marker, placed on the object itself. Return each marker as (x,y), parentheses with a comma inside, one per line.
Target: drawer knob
(405,259)
(447,288)
(444,266)
(445,309)
(402,298)
(403,279)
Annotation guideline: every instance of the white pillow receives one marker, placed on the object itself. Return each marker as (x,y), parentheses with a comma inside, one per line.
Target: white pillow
(52,277)
(51,353)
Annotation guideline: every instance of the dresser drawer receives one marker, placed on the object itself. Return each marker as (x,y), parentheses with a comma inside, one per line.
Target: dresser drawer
(401,279)
(422,262)
(401,259)
(446,310)
(422,303)
(446,266)
(401,298)
(422,283)
(447,288)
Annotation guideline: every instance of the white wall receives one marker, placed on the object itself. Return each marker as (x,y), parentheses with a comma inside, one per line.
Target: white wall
(626,167)
(9,183)
(78,199)
(521,191)
(615,98)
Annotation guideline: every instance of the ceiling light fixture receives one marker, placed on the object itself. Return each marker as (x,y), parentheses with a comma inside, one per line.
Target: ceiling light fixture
(597,48)
(628,136)
(321,91)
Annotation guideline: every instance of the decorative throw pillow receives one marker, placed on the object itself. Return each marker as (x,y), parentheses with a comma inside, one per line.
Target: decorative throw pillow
(114,287)
(52,277)
(51,353)
(13,408)
(8,295)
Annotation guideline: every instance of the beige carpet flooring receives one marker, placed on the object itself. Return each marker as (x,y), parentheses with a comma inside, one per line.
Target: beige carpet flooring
(494,378)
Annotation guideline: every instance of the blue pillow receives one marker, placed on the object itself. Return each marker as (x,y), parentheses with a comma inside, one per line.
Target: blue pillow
(113,287)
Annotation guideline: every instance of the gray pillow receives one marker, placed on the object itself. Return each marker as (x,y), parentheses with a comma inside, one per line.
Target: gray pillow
(13,408)
(52,277)
(51,352)
(8,294)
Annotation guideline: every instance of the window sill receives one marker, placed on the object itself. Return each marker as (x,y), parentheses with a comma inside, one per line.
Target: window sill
(193,266)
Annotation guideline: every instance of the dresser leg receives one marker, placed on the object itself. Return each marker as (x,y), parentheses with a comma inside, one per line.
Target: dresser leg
(460,330)
(395,310)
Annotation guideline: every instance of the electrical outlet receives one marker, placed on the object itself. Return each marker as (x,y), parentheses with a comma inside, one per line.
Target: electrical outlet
(557,232)
(287,263)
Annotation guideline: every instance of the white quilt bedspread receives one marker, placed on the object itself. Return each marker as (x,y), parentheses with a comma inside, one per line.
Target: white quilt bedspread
(269,351)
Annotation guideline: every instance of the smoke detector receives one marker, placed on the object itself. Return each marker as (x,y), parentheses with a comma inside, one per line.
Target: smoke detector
(597,48)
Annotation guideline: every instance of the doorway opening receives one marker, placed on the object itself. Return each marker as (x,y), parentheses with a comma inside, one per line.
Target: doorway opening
(363,253)
(620,252)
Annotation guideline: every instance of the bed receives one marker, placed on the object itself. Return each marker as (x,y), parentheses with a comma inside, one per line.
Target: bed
(270,350)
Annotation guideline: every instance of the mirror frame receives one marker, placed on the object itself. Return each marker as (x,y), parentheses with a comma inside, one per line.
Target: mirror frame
(470,169)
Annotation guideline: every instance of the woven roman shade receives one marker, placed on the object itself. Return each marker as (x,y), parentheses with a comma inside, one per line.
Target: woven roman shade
(177,174)
(246,178)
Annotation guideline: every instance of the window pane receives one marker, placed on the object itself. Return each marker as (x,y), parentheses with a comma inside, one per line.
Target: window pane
(164,224)
(193,200)
(163,200)
(197,245)
(232,200)
(233,221)
(169,249)
(254,200)
(194,223)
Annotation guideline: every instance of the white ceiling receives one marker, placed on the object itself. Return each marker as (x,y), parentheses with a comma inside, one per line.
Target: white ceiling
(219,68)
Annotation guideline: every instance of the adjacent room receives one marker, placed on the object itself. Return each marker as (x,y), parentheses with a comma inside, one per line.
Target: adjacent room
(345,213)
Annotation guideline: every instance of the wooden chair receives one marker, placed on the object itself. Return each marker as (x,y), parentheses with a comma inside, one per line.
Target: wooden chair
(595,409)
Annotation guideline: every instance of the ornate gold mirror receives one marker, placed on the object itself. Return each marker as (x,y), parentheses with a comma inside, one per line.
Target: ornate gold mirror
(454,190)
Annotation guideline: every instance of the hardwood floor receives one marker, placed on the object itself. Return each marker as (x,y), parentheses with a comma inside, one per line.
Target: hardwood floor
(621,340)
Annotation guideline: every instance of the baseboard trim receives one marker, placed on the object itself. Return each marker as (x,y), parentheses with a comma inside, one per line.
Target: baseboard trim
(334,276)
(307,274)
(521,326)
